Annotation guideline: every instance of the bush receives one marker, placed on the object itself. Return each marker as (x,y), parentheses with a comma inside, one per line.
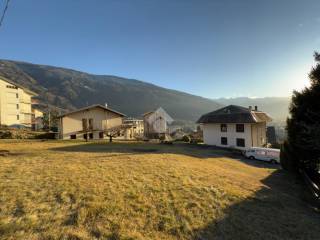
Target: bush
(47,135)
(6,135)
(186,139)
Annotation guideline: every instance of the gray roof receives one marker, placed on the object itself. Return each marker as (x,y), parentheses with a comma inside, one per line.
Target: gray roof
(234,114)
(93,106)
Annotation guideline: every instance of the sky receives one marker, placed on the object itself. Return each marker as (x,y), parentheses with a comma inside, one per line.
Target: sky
(210,48)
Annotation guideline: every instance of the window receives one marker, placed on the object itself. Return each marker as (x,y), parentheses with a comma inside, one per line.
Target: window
(223,127)
(13,87)
(101,134)
(224,141)
(17,95)
(85,136)
(73,136)
(239,127)
(240,142)
(84,124)
(90,135)
(90,124)
(17,106)
(18,117)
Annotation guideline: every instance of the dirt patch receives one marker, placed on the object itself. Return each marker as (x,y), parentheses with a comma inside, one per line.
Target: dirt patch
(5,153)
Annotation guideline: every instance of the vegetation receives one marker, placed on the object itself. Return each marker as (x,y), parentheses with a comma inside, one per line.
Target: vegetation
(14,133)
(98,190)
(302,151)
(51,120)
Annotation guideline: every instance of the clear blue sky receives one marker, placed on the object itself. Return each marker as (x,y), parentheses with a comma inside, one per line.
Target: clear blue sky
(210,48)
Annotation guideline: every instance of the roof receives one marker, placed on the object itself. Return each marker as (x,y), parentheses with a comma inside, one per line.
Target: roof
(147,113)
(93,106)
(234,114)
(19,86)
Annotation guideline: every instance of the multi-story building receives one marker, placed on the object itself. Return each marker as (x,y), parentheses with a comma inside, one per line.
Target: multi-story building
(235,127)
(15,104)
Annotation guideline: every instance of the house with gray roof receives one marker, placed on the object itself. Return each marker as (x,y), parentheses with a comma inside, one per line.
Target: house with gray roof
(235,126)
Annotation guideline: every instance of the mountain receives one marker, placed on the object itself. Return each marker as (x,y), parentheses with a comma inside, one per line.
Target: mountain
(70,89)
(276,107)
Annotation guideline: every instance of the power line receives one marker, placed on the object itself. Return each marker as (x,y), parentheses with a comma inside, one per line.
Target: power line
(4,12)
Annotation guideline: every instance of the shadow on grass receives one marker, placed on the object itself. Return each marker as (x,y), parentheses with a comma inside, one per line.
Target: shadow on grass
(199,151)
(277,211)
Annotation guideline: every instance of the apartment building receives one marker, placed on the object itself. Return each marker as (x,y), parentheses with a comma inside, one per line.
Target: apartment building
(15,104)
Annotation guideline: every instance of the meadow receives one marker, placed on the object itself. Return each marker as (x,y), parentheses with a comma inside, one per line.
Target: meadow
(97,190)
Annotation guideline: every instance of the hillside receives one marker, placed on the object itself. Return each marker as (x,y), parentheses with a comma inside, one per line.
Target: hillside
(276,107)
(70,89)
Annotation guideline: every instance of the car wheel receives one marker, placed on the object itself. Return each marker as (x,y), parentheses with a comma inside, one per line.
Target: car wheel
(251,157)
(273,161)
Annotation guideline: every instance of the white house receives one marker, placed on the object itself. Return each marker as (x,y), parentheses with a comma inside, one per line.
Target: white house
(156,123)
(235,126)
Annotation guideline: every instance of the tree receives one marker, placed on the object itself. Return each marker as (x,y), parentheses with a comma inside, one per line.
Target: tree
(51,120)
(302,149)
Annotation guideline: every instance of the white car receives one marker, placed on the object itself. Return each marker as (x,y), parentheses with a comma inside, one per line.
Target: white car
(271,155)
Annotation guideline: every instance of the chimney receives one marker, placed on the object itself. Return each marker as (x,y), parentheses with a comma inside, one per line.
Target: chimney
(106,105)
(256,108)
(250,108)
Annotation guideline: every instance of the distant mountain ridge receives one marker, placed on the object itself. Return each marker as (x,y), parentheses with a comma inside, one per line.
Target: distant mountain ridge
(276,107)
(70,89)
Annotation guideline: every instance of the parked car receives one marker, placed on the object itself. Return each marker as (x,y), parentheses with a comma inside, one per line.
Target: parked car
(271,155)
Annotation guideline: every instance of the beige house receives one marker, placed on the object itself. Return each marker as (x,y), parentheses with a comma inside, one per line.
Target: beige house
(235,126)
(91,122)
(15,104)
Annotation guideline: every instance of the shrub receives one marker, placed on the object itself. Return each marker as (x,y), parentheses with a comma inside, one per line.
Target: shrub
(47,135)
(186,138)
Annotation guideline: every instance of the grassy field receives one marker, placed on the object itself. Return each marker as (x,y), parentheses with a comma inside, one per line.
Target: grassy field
(76,190)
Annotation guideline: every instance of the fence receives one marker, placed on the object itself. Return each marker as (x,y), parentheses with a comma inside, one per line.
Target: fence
(314,187)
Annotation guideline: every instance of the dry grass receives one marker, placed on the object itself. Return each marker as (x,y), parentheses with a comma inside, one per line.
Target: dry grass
(75,190)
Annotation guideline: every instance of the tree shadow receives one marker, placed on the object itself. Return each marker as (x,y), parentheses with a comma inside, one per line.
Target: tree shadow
(134,148)
(277,211)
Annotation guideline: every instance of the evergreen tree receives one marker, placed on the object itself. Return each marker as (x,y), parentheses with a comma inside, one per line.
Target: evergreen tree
(303,147)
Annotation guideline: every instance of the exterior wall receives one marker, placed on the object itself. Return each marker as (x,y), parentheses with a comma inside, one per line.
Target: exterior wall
(15,105)
(259,134)
(212,135)
(254,135)
(25,108)
(112,120)
(154,125)
(102,120)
